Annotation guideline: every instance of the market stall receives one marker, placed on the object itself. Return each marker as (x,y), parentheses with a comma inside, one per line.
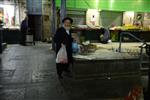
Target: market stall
(143,34)
(97,63)
(116,20)
(97,60)
(102,60)
(88,27)
(134,23)
(11,14)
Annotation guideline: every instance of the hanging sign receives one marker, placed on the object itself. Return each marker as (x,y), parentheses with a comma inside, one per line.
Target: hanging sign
(93,18)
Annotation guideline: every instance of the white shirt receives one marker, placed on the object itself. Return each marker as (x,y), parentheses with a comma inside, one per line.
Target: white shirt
(68,32)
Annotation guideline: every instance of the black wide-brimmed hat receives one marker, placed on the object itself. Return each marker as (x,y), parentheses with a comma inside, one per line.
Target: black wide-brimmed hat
(67,18)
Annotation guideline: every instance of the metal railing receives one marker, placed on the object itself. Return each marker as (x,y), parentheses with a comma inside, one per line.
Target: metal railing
(127,33)
(147,49)
(138,39)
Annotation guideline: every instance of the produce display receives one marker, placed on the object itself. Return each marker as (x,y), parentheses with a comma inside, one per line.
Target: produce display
(130,27)
(89,48)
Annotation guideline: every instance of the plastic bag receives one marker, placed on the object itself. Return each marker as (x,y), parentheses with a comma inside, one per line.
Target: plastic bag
(62,55)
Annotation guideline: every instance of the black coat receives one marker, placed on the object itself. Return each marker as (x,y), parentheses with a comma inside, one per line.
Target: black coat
(62,36)
(24,26)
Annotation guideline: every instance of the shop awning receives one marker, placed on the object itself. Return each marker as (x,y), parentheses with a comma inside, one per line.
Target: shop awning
(115,5)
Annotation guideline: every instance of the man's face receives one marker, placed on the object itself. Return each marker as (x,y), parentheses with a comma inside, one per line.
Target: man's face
(67,24)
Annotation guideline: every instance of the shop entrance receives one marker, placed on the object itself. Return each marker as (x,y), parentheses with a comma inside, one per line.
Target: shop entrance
(35,26)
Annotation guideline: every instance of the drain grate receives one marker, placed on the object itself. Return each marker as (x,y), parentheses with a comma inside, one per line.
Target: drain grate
(12,94)
(42,76)
(6,73)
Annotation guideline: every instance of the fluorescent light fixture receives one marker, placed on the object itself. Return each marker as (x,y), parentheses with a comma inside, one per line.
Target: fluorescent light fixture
(111,3)
(97,3)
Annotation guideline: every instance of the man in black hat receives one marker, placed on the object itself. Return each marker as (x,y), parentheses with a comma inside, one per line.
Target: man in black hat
(63,36)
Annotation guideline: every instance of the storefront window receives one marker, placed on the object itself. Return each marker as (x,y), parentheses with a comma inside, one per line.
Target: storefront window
(9,14)
(1,16)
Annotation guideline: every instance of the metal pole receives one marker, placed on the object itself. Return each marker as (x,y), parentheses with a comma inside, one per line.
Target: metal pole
(121,35)
(1,40)
(148,89)
(53,16)
(120,41)
(15,6)
(62,10)
(19,7)
(53,22)
(147,92)
(148,53)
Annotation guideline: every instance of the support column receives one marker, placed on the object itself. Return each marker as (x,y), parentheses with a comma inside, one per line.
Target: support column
(19,7)
(15,6)
(53,22)
(62,10)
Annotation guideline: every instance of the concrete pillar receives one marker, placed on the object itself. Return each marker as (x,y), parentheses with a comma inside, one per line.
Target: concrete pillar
(53,22)
(62,10)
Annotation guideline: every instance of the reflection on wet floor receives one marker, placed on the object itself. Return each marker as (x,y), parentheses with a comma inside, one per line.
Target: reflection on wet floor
(28,73)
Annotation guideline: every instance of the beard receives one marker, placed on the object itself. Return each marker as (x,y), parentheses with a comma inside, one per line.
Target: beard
(67,28)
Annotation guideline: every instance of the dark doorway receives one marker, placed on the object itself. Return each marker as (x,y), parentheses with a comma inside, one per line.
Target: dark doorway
(35,26)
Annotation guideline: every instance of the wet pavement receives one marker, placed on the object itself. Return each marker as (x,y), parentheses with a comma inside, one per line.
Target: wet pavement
(28,73)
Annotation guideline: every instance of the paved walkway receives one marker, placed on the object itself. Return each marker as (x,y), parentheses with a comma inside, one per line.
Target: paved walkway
(28,73)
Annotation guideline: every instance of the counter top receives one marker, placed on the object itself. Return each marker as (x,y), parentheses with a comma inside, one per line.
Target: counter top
(108,52)
(122,29)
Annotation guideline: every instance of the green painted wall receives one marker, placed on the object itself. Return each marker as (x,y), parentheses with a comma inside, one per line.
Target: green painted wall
(109,18)
(116,5)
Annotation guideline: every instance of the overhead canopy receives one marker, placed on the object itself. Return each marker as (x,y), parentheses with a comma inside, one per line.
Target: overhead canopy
(116,5)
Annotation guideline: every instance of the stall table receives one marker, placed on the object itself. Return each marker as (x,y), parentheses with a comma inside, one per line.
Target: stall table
(142,34)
